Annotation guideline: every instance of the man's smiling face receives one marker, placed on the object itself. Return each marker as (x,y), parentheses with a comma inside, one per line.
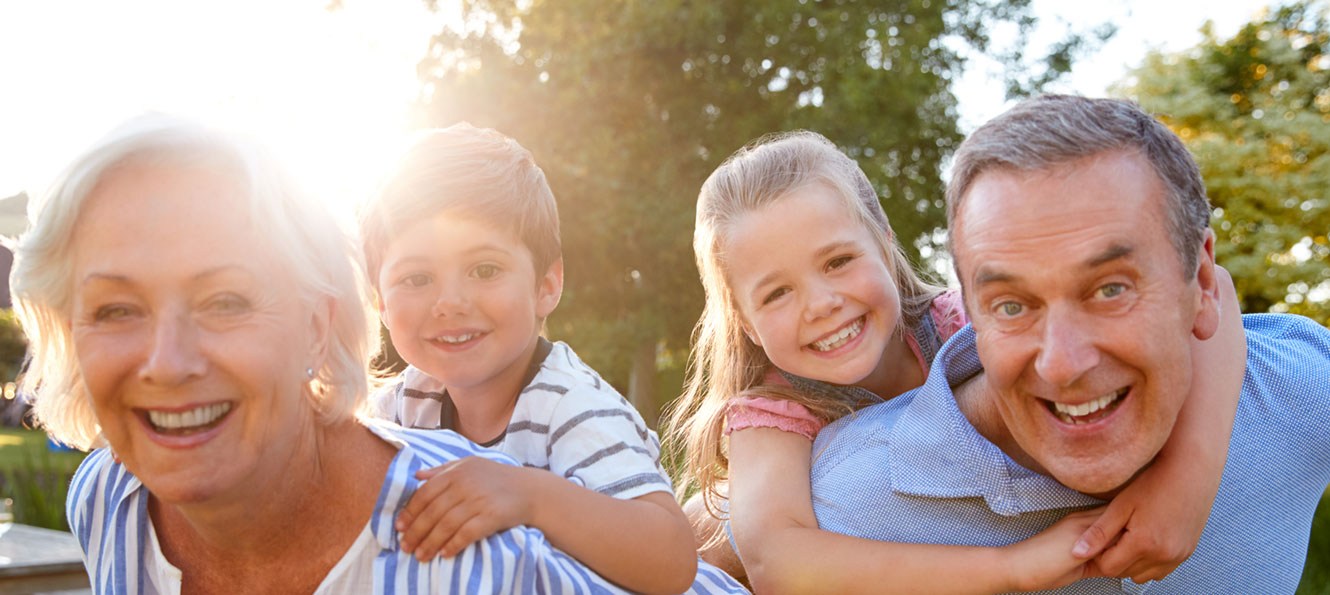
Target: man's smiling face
(1083,313)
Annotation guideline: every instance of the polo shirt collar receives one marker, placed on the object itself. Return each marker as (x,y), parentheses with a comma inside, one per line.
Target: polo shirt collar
(936,452)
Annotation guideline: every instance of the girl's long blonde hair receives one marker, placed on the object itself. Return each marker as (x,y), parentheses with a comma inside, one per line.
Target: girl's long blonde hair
(724,363)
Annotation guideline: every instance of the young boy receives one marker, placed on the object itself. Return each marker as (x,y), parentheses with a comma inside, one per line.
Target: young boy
(462,246)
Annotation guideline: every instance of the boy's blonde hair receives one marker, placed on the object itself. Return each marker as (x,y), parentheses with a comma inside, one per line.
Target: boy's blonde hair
(724,362)
(475,172)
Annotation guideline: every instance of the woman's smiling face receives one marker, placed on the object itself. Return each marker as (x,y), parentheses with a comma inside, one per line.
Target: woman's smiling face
(190,339)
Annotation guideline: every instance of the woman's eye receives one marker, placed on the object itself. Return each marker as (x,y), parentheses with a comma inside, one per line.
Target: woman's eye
(1010,309)
(416,280)
(485,271)
(1110,290)
(774,295)
(839,262)
(112,312)
(229,304)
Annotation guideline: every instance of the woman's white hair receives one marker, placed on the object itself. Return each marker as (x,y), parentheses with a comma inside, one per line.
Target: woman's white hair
(301,233)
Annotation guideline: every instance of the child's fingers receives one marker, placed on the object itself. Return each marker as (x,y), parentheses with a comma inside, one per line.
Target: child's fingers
(475,529)
(1141,556)
(425,474)
(425,511)
(436,534)
(1103,531)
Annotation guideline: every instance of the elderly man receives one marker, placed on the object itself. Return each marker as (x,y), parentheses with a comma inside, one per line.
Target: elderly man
(1081,238)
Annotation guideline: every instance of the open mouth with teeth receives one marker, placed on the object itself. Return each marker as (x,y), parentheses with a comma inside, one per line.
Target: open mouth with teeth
(190,421)
(846,334)
(454,340)
(1090,411)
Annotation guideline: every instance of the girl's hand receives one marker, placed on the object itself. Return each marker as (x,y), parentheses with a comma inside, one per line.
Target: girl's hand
(1157,533)
(461,502)
(1044,562)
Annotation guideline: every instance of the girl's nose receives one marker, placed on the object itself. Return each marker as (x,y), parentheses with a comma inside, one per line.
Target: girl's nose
(823,301)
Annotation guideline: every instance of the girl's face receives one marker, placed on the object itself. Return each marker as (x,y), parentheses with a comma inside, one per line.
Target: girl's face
(813,287)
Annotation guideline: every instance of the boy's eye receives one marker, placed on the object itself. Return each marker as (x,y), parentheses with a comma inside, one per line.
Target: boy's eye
(1110,290)
(839,262)
(774,295)
(415,280)
(485,271)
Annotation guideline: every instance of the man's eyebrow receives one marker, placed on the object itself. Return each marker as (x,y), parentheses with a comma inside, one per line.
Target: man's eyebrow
(1112,253)
(988,274)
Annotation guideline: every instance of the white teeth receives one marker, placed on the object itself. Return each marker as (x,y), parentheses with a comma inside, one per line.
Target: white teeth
(1067,412)
(199,416)
(840,338)
(459,338)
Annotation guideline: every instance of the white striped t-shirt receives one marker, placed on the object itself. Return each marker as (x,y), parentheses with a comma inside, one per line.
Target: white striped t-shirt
(567,420)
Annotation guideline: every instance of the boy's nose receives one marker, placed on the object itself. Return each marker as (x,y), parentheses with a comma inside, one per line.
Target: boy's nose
(450,303)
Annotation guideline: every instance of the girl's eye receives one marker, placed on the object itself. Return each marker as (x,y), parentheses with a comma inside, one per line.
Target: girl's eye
(1010,309)
(1110,290)
(415,280)
(774,295)
(839,262)
(485,271)
(112,312)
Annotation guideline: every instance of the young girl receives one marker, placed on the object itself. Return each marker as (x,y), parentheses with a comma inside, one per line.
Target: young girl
(812,312)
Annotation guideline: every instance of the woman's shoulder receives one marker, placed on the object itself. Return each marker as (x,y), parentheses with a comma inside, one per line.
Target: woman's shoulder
(99,489)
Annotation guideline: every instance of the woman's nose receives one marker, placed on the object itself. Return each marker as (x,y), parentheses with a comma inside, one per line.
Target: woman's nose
(175,356)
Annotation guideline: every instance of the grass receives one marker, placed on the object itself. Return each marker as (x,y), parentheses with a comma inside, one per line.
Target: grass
(1316,574)
(35,478)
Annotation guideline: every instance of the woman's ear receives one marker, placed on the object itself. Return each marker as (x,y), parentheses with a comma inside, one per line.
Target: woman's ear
(320,334)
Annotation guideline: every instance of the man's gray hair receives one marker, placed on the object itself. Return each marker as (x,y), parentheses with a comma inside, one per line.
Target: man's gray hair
(1043,132)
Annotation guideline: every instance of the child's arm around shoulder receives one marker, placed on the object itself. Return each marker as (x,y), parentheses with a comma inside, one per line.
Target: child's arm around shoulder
(1162,513)
(625,524)
(784,551)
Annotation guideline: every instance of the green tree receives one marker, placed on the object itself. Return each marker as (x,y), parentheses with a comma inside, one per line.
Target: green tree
(628,106)
(1255,110)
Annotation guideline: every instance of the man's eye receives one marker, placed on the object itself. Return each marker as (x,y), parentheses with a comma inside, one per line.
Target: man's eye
(774,295)
(416,280)
(1010,309)
(1110,290)
(485,271)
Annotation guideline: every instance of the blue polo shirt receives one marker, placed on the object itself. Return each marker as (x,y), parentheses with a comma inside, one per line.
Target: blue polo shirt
(914,470)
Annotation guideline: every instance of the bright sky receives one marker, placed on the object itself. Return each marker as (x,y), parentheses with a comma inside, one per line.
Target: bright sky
(331,89)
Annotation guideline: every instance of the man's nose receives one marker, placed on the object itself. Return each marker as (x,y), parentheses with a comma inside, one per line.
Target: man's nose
(1067,350)
(175,356)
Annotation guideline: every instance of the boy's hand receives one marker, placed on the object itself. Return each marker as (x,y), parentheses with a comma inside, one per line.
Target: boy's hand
(1044,562)
(1157,534)
(461,502)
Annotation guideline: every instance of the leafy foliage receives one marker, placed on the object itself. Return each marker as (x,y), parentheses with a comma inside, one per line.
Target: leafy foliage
(1255,110)
(628,106)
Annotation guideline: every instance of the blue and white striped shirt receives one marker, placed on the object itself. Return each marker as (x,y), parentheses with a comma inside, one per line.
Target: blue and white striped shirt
(914,470)
(107,511)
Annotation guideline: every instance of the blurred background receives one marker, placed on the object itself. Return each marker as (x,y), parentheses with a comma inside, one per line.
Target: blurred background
(629,105)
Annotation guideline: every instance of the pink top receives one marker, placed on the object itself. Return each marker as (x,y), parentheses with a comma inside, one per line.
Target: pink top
(759,412)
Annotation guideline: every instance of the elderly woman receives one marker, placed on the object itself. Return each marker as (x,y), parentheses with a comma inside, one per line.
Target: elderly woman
(205,323)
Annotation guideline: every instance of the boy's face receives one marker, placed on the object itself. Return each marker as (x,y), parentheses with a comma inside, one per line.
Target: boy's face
(463,303)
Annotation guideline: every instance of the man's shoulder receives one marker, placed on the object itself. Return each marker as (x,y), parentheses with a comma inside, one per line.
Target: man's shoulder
(866,430)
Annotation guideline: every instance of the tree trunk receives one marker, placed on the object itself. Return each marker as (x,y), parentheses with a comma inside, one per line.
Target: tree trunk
(642,382)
